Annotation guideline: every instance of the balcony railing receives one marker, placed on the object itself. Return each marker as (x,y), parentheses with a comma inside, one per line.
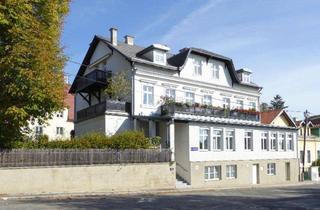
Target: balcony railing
(171,109)
(95,79)
(100,109)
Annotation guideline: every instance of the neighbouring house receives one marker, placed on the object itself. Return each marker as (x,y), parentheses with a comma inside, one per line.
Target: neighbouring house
(61,125)
(204,110)
(312,151)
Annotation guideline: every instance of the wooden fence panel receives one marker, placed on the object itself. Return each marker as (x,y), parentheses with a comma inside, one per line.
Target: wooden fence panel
(56,157)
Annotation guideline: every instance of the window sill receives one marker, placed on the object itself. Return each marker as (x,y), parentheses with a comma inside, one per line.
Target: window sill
(231,178)
(148,106)
(271,174)
(209,180)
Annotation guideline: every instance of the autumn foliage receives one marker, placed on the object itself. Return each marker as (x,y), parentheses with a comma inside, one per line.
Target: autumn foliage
(31,63)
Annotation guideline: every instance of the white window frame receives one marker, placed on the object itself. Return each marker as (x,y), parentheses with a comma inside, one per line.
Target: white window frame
(204,135)
(273,141)
(217,139)
(248,141)
(207,100)
(281,142)
(246,78)
(171,93)
(60,114)
(230,140)
(308,156)
(239,104)
(231,171)
(189,97)
(212,172)
(148,92)
(252,105)
(271,169)
(59,131)
(264,141)
(226,102)
(215,72)
(159,57)
(39,130)
(197,68)
(289,140)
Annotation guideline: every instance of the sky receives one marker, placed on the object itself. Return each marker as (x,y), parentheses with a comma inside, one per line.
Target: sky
(278,40)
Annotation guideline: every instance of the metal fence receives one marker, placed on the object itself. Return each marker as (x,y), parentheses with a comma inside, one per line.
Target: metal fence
(59,157)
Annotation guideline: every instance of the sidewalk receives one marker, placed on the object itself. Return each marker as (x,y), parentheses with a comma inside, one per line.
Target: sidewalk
(144,192)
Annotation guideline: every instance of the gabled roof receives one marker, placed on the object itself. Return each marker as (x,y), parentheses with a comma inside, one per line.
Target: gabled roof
(268,117)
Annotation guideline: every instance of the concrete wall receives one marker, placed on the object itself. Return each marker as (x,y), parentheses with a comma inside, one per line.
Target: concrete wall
(87,179)
(116,123)
(244,173)
(181,152)
(97,124)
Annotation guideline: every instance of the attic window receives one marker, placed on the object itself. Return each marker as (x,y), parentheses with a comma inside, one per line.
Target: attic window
(246,78)
(159,57)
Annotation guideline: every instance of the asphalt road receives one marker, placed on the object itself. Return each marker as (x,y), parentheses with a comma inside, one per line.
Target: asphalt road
(295,197)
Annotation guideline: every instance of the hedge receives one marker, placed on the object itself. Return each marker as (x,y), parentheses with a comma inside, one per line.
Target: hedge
(124,140)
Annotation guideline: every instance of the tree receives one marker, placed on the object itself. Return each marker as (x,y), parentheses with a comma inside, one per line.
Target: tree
(264,107)
(31,63)
(118,87)
(278,103)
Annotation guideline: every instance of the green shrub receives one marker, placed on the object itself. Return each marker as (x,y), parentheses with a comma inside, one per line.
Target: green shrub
(155,141)
(316,163)
(124,140)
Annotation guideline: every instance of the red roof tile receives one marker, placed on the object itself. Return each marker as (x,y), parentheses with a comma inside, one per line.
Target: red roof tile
(69,103)
(268,116)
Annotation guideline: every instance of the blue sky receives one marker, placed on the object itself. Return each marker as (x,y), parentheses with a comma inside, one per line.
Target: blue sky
(278,40)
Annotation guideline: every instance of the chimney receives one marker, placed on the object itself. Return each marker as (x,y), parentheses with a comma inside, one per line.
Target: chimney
(113,36)
(129,39)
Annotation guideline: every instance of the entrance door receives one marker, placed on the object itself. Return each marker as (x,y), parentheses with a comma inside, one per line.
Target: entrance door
(255,174)
(288,171)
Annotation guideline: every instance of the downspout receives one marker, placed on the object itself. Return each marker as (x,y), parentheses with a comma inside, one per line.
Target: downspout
(133,90)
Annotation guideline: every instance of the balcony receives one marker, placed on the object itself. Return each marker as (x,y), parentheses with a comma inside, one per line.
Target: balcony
(101,108)
(171,109)
(92,81)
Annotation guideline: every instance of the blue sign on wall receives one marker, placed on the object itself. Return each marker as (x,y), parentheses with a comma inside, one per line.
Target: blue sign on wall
(194,148)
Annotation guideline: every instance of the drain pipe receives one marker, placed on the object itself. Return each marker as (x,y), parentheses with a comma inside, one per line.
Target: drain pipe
(133,71)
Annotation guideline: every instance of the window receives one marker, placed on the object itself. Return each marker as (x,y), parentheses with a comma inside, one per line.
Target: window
(207,100)
(271,169)
(212,172)
(264,141)
(148,95)
(159,57)
(197,68)
(215,71)
(281,141)
(252,105)
(239,104)
(309,156)
(171,93)
(273,141)
(318,154)
(290,145)
(231,171)
(60,114)
(204,139)
(59,131)
(226,103)
(230,143)
(301,156)
(217,139)
(39,130)
(248,142)
(189,97)
(246,78)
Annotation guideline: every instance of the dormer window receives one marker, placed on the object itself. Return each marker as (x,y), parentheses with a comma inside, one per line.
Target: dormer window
(197,70)
(159,57)
(246,78)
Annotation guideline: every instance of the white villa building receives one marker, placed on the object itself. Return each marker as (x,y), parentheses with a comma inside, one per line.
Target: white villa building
(205,111)
(61,125)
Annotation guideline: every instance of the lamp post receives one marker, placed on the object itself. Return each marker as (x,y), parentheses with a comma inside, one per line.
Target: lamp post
(306,118)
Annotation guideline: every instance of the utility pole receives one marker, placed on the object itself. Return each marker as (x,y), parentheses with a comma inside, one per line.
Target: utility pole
(306,118)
